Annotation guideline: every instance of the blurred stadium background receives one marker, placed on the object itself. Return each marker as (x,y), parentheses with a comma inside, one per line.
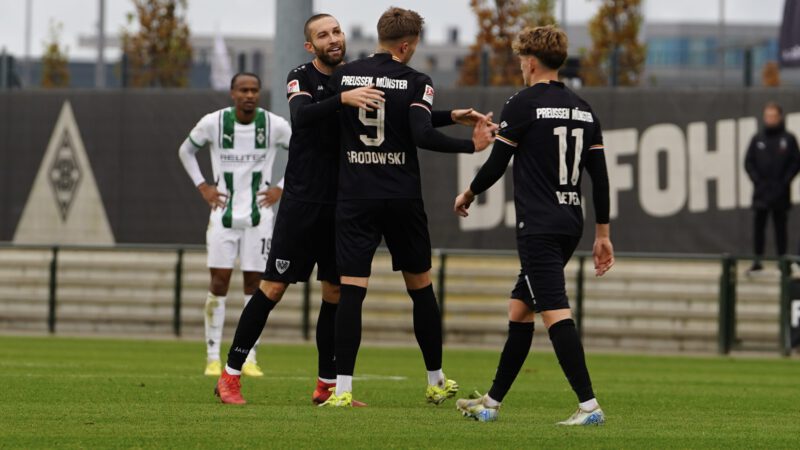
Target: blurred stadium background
(101,231)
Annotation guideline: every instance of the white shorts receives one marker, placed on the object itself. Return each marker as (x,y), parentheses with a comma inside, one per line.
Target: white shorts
(251,245)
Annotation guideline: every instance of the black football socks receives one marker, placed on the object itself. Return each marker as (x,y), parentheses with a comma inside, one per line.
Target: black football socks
(251,324)
(569,351)
(348,328)
(326,344)
(428,326)
(518,344)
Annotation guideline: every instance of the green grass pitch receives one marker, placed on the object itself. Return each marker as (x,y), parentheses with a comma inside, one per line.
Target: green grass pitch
(90,393)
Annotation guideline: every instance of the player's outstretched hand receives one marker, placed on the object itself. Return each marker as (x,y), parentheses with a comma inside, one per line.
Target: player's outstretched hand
(364,97)
(212,196)
(462,203)
(483,133)
(269,197)
(603,252)
(468,117)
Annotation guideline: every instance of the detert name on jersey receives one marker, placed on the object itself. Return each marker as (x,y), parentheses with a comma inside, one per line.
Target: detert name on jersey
(564,113)
(382,82)
(568,198)
(392,158)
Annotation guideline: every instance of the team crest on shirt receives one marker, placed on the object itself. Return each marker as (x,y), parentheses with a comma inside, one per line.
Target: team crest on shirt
(293,87)
(428,97)
(282,265)
(260,136)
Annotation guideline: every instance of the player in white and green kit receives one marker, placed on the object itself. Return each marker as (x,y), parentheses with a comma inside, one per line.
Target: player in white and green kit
(243,141)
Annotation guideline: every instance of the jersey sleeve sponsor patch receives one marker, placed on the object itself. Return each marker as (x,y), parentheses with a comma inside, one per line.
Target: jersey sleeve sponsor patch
(428,95)
(293,87)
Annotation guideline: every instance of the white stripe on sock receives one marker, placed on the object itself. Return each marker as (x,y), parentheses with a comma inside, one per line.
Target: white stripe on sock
(344,383)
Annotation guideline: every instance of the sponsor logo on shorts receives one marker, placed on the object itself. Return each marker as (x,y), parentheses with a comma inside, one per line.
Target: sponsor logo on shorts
(282,265)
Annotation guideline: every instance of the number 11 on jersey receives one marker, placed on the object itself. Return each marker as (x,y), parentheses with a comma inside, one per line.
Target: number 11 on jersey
(577,133)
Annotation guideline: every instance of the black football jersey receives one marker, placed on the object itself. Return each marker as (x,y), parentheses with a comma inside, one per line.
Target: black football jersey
(552,130)
(378,156)
(312,170)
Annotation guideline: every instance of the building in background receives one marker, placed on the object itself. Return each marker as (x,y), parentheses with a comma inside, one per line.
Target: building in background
(678,54)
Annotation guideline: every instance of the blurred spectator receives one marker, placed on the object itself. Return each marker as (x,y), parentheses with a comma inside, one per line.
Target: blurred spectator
(772,161)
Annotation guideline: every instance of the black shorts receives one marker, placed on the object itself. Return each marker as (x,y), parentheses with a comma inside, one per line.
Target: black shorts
(304,235)
(360,224)
(541,283)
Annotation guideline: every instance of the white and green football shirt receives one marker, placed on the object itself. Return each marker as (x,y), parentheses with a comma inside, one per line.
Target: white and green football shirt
(242,156)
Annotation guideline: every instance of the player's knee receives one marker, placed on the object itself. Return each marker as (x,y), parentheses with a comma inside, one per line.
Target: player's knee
(551,318)
(219,286)
(518,311)
(330,292)
(416,281)
(274,291)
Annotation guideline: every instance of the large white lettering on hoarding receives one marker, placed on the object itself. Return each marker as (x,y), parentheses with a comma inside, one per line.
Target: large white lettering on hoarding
(670,170)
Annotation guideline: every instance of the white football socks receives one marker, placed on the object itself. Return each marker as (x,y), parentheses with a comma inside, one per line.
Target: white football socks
(233,372)
(344,383)
(589,405)
(490,402)
(251,357)
(327,380)
(214,320)
(436,378)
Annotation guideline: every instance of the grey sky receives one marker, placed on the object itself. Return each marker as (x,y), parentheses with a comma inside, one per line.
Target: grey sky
(257,17)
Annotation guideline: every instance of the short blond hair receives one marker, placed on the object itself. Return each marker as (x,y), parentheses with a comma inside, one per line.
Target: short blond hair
(398,23)
(548,44)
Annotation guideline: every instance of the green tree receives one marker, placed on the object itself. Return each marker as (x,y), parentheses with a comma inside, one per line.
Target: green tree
(499,21)
(616,48)
(55,71)
(158,52)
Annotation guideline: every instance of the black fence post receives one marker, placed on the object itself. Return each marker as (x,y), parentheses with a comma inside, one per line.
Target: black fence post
(579,295)
(786,299)
(441,289)
(727,306)
(51,300)
(178,294)
(306,319)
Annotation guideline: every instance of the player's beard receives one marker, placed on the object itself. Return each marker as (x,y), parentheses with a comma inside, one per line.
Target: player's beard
(329,61)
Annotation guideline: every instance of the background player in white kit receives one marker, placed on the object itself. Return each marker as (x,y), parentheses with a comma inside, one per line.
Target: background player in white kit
(242,141)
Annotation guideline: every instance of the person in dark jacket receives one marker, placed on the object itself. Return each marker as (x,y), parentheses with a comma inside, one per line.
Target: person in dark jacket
(772,161)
